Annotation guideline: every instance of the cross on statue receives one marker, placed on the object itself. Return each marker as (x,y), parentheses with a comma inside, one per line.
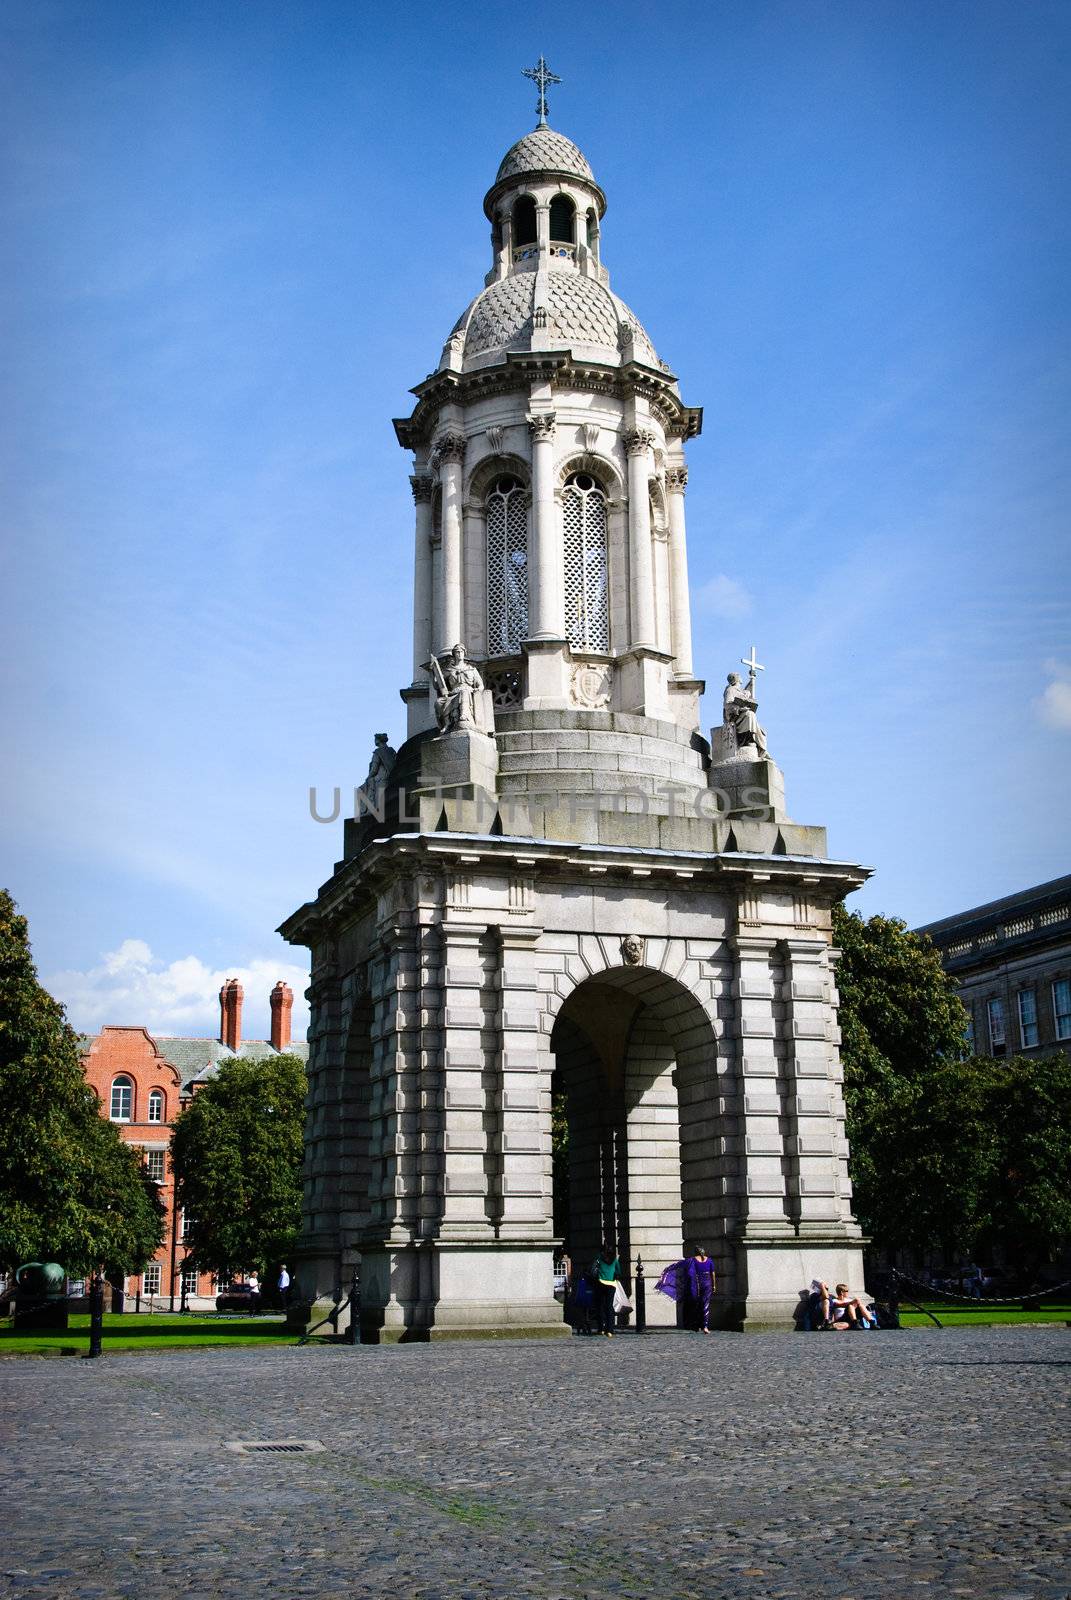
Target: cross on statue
(541,75)
(752,664)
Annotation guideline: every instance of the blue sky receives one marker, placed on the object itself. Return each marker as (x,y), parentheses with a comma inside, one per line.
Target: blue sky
(234,234)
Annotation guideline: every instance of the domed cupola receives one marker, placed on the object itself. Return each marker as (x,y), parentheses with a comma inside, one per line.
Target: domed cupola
(549,472)
(547,289)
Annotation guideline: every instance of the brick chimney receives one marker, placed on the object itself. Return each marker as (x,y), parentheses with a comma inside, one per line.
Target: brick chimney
(282,1003)
(230,1014)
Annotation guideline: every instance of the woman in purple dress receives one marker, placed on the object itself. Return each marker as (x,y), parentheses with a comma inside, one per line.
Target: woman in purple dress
(700,1285)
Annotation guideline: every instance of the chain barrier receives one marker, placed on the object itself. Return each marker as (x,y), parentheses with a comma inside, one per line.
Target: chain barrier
(978,1299)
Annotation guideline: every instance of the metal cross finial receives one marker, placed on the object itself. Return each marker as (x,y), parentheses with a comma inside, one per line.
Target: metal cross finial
(752,664)
(542,75)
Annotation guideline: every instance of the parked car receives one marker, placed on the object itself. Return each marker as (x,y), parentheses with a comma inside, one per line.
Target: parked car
(239,1297)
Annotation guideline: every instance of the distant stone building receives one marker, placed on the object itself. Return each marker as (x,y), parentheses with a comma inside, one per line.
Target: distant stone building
(143,1082)
(1011,960)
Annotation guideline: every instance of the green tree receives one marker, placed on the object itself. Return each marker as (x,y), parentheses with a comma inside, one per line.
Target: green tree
(903,1027)
(237,1152)
(70,1189)
(948,1151)
(1031,1204)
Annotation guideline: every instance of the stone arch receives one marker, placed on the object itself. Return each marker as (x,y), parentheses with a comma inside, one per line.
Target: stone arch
(636,1073)
(490,467)
(601,468)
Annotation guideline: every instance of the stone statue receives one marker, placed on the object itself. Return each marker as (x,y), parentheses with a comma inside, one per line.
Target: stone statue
(459,702)
(632,950)
(739,715)
(379,770)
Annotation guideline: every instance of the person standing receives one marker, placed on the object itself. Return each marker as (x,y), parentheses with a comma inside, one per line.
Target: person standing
(701,1285)
(283,1286)
(605,1272)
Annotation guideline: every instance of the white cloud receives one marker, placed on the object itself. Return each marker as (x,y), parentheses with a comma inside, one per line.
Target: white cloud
(724,597)
(1053,705)
(130,986)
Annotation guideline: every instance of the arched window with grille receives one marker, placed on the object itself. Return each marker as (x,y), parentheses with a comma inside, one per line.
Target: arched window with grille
(507,567)
(587,607)
(122,1104)
(156,1106)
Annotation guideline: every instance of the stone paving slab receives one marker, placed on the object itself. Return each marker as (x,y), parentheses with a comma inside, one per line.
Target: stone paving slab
(751,1466)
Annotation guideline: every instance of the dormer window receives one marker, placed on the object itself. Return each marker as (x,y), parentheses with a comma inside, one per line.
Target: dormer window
(524,221)
(562,220)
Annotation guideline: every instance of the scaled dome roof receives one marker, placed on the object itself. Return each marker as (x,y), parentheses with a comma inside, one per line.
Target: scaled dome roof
(543,150)
(582,315)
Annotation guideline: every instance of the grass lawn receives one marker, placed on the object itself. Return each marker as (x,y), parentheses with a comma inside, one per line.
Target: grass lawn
(1002,1314)
(157,1332)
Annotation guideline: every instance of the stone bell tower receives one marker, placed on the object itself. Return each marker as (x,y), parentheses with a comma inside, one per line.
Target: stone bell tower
(557,895)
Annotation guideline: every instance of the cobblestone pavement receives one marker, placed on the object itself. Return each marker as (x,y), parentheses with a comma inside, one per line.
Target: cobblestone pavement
(751,1466)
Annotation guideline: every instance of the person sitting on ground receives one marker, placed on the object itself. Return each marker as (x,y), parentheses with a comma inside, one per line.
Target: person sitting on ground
(844,1310)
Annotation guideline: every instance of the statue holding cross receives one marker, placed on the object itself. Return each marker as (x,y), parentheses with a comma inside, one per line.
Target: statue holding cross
(740,708)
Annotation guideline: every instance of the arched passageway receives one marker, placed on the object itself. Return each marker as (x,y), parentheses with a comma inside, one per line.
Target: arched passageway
(634,1091)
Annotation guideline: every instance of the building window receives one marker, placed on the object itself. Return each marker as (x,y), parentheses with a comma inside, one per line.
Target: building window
(524,221)
(507,567)
(587,607)
(1028,1018)
(968,1034)
(189,1279)
(185,1224)
(154,1165)
(156,1106)
(150,1279)
(1061,1007)
(995,1011)
(122,1099)
(563,219)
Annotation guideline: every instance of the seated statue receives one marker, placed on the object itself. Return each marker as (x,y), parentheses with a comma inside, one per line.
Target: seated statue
(459,704)
(739,713)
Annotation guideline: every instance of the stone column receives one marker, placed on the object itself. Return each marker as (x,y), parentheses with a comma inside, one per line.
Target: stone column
(816,1137)
(464,1138)
(474,567)
(524,1205)
(423,486)
(638,445)
(764,1205)
(451,454)
(543,226)
(545,558)
(680,614)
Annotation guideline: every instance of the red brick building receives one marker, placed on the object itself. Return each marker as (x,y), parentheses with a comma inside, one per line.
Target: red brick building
(143,1082)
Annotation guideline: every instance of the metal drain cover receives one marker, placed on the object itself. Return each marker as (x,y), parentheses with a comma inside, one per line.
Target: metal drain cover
(278,1447)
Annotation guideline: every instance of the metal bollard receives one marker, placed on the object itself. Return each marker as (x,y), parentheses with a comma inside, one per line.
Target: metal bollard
(96,1318)
(641,1298)
(353,1332)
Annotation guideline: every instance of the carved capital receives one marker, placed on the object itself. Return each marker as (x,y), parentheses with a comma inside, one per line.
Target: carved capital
(450,448)
(639,441)
(676,479)
(423,487)
(542,425)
